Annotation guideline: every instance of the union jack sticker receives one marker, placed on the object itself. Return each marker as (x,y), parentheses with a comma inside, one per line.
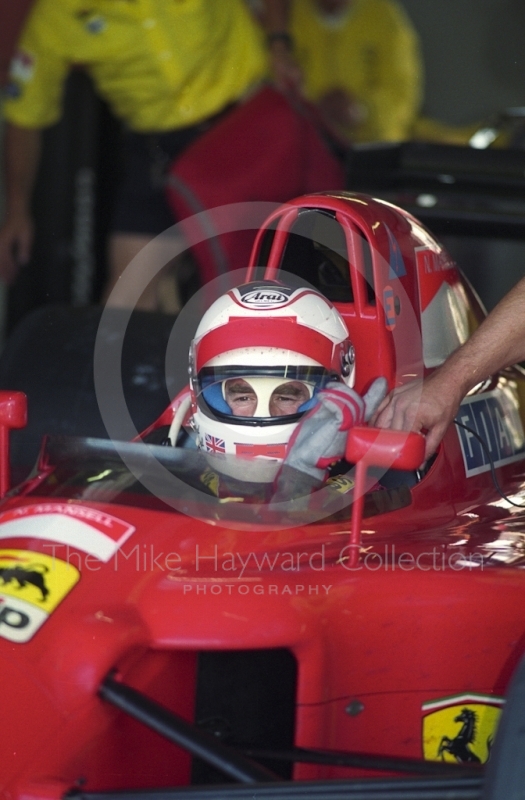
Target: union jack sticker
(213,444)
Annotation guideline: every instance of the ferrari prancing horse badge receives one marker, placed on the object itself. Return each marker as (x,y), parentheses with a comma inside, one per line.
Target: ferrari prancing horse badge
(461,728)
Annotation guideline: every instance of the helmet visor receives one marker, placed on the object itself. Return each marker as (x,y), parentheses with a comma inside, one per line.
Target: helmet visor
(259,396)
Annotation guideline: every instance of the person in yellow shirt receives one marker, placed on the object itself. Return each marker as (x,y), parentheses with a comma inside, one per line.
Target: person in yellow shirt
(361,65)
(167,70)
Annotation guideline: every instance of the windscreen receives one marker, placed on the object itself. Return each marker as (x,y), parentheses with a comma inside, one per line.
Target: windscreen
(177,480)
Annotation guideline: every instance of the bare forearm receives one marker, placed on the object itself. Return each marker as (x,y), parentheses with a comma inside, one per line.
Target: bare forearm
(433,404)
(497,343)
(22,155)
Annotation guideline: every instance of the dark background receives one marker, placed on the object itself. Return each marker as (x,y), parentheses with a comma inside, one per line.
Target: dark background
(474,53)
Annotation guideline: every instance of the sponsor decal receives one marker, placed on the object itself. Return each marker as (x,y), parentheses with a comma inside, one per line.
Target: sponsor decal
(432,270)
(395,259)
(461,728)
(443,305)
(81,527)
(210,479)
(389,308)
(341,483)
(96,24)
(22,67)
(267,450)
(31,587)
(264,297)
(495,417)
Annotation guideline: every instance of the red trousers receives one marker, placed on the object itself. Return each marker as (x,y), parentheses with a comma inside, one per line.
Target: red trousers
(265,149)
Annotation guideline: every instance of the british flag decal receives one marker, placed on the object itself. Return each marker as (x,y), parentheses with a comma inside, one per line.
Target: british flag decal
(213,444)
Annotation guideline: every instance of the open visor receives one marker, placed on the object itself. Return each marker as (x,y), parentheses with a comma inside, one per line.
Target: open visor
(259,395)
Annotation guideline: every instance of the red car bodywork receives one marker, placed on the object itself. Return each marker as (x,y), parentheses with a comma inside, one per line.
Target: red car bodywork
(397,637)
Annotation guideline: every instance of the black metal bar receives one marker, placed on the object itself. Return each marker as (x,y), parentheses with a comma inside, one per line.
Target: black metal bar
(370,761)
(179,731)
(389,789)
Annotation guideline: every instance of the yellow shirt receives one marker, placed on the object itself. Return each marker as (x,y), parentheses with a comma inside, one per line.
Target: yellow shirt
(373,53)
(160,64)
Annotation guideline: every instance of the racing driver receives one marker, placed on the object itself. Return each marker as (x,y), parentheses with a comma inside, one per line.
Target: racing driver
(271,376)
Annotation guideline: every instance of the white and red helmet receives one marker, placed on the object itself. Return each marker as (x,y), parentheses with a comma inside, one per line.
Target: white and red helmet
(267,337)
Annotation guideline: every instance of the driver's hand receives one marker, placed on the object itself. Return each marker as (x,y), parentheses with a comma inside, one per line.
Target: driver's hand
(320,437)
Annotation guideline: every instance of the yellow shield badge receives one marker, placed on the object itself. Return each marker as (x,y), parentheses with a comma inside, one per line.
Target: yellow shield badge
(461,728)
(31,587)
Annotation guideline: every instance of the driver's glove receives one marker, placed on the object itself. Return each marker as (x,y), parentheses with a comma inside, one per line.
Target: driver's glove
(320,438)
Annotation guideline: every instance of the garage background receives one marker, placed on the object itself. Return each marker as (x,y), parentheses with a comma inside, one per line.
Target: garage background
(474,52)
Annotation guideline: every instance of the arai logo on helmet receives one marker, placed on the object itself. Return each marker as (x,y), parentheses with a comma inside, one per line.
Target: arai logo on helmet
(266,297)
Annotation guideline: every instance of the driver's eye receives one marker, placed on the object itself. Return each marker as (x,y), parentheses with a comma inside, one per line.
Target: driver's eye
(241,398)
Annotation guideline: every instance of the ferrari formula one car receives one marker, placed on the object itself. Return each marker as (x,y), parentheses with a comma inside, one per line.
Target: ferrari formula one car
(159,641)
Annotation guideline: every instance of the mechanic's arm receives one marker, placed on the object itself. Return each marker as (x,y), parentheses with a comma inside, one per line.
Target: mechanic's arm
(287,74)
(22,154)
(498,342)
(36,79)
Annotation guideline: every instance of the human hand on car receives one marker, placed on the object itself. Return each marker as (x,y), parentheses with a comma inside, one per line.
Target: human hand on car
(427,406)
